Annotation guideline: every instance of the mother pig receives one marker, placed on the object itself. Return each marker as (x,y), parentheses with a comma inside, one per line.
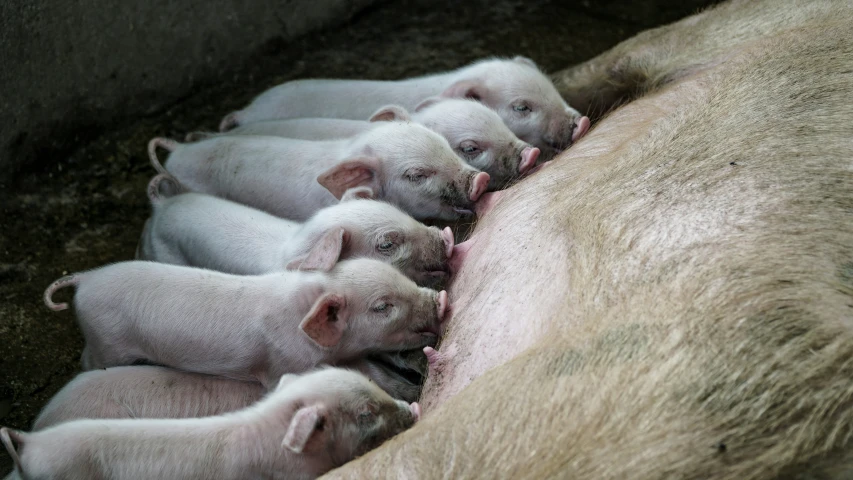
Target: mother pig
(675,293)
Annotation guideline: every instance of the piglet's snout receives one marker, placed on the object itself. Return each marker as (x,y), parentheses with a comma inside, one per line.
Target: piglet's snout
(479,184)
(447,238)
(581,127)
(528,159)
(410,410)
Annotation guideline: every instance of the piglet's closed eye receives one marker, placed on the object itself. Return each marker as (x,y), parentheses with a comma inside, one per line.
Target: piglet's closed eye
(305,423)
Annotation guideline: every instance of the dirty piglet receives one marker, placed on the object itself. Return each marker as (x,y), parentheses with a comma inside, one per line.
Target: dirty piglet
(405,164)
(146,391)
(249,327)
(516,89)
(307,426)
(476,133)
(204,231)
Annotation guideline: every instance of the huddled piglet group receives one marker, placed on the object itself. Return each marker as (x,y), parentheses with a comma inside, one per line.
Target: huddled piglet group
(283,272)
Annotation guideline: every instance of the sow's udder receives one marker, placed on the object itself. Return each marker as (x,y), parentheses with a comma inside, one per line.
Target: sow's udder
(511,284)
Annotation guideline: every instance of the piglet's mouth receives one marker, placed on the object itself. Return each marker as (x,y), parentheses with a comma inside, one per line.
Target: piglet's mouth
(435,272)
(465,212)
(431,332)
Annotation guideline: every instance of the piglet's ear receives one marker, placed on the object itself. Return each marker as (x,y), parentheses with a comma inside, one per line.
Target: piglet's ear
(357,193)
(306,423)
(327,320)
(427,103)
(525,61)
(10,437)
(465,89)
(357,172)
(325,254)
(391,113)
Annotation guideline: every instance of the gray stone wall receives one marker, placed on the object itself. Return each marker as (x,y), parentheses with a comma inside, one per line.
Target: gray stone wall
(68,69)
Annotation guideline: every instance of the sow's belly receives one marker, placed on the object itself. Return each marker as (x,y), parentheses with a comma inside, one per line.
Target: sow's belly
(512,287)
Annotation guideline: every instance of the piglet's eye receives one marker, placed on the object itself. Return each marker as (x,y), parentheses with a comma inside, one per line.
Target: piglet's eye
(382,307)
(521,108)
(418,174)
(365,420)
(386,246)
(469,148)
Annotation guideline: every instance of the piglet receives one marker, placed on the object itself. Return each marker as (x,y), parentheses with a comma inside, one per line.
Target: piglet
(146,392)
(248,327)
(475,132)
(150,391)
(307,426)
(402,163)
(516,89)
(303,128)
(209,232)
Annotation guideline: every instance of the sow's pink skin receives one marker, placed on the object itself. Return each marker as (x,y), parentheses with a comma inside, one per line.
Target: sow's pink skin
(308,425)
(483,332)
(204,231)
(402,163)
(516,89)
(249,327)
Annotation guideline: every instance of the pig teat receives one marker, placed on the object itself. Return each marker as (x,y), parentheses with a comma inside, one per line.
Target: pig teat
(487,203)
(438,360)
(460,252)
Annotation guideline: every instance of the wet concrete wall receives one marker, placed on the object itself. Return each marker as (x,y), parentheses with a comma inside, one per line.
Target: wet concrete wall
(68,69)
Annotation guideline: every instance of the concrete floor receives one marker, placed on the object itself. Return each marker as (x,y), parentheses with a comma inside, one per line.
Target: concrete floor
(86,210)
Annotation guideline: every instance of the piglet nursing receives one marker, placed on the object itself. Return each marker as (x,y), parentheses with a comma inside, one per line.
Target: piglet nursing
(209,232)
(302,128)
(476,133)
(248,327)
(307,426)
(403,163)
(516,89)
(146,392)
